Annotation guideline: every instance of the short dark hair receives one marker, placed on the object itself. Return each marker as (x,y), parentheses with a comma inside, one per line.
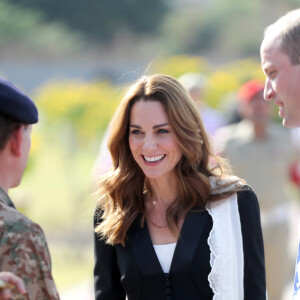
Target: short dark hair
(7,126)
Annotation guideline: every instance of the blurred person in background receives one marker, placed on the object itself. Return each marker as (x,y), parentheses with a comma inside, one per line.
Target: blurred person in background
(23,246)
(167,224)
(195,84)
(280,61)
(9,283)
(262,152)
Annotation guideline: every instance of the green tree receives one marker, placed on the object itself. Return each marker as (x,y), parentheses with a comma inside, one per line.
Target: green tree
(25,30)
(225,29)
(101,19)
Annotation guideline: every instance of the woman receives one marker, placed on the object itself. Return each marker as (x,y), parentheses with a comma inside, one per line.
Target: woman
(169,225)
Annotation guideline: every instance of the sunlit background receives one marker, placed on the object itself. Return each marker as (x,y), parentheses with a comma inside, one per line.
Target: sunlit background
(74,58)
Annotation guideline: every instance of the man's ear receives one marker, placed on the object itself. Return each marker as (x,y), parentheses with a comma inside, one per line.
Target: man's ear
(16,141)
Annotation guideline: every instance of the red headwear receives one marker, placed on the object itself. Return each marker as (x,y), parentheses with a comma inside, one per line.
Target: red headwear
(248,90)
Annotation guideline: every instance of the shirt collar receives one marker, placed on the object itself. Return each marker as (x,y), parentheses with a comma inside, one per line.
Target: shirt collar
(5,198)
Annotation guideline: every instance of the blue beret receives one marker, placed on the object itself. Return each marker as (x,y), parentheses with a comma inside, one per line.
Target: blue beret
(16,105)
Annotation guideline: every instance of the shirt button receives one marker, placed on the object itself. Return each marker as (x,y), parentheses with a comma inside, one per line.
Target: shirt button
(168,283)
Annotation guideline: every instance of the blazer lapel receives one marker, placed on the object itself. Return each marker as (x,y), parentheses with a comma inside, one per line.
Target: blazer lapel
(143,251)
(187,243)
(190,234)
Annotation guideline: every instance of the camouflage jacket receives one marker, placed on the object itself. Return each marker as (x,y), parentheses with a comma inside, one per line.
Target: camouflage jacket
(24,251)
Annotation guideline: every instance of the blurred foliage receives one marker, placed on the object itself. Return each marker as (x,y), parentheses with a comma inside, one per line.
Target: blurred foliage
(225,29)
(177,65)
(226,79)
(222,79)
(101,19)
(85,107)
(26,29)
(220,83)
(219,29)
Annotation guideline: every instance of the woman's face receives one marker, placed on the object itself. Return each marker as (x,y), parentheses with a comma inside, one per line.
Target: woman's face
(152,141)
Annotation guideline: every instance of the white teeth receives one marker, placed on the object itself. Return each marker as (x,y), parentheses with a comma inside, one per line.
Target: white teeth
(153,158)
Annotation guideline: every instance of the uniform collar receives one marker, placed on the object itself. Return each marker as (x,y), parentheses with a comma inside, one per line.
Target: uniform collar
(5,198)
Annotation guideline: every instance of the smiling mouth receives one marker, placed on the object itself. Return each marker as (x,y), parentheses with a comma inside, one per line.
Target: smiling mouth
(153,159)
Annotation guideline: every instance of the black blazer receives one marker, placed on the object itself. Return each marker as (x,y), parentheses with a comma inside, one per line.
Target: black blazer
(135,271)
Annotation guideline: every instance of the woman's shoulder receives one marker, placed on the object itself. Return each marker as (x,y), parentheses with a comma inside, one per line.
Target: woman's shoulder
(225,184)
(238,191)
(246,193)
(247,201)
(242,202)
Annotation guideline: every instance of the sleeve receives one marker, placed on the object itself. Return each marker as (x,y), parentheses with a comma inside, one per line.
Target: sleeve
(28,257)
(254,261)
(106,272)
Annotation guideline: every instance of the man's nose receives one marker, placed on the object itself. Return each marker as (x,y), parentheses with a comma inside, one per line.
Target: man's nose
(268,91)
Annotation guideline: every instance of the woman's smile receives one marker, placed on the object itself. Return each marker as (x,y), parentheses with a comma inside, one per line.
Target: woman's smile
(153,159)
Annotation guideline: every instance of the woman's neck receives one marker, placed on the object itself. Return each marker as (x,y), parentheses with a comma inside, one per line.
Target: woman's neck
(163,190)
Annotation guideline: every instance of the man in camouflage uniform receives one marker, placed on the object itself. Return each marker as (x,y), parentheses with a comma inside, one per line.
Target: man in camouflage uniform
(23,247)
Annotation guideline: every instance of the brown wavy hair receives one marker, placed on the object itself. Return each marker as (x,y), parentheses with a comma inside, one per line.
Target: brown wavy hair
(120,192)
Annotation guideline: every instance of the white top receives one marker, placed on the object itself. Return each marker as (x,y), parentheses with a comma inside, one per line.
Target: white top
(165,254)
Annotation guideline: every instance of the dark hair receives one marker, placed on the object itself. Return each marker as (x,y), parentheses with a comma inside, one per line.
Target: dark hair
(7,126)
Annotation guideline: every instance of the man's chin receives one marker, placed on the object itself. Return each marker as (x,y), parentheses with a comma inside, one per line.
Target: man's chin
(289,124)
